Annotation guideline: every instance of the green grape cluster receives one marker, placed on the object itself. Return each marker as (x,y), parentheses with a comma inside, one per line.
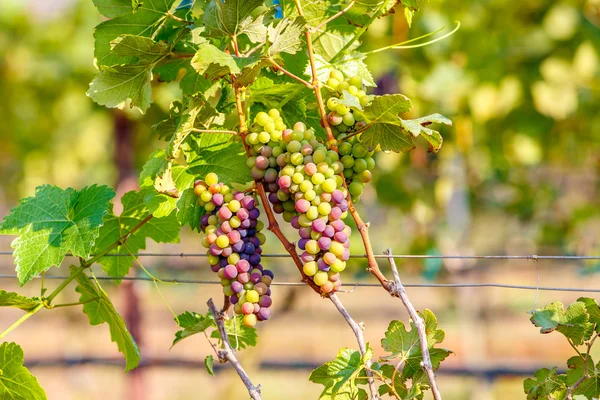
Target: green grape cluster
(341,117)
(358,162)
(304,183)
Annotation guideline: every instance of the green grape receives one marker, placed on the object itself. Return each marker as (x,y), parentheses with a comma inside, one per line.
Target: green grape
(360,165)
(262,118)
(335,74)
(348,119)
(355,188)
(332,103)
(342,109)
(356,81)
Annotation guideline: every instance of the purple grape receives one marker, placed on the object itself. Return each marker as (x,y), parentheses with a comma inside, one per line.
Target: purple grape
(243,266)
(318,225)
(340,237)
(323,265)
(329,231)
(234,299)
(302,243)
(294,222)
(302,205)
(217,199)
(265,301)
(304,233)
(255,259)
(337,196)
(324,243)
(268,273)
(263,314)
(248,202)
(335,214)
(230,272)
(215,268)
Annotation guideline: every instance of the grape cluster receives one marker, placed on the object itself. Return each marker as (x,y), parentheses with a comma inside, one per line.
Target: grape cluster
(304,183)
(233,239)
(341,117)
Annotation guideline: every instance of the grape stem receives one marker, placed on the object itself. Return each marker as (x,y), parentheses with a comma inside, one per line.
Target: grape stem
(288,73)
(358,333)
(213,131)
(289,247)
(316,85)
(397,290)
(322,24)
(363,230)
(227,353)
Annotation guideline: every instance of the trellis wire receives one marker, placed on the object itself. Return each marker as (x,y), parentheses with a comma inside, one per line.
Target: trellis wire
(399,256)
(348,285)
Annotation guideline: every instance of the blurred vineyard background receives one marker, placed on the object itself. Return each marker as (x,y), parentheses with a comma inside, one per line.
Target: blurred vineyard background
(519,173)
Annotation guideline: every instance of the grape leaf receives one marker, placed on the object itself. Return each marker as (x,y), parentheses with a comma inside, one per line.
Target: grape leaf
(169,70)
(113,8)
(193,83)
(161,205)
(145,21)
(418,126)
(339,376)
(546,385)
(387,108)
(99,309)
(395,382)
(192,323)
(229,18)
(222,154)
(239,335)
(12,299)
(161,230)
(254,28)
(53,223)
(350,100)
(573,323)
(315,11)
(405,346)
(591,306)
(16,382)
(189,211)
(350,65)
(286,36)
(590,384)
(209,56)
(330,42)
(113,86)
(143,48)
(390,137)
(208,364)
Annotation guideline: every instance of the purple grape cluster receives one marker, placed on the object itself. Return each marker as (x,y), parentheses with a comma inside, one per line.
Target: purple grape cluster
(304,184)
(233,238)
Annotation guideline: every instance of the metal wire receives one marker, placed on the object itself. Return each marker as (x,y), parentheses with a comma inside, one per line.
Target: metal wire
(400,256)
(349,284)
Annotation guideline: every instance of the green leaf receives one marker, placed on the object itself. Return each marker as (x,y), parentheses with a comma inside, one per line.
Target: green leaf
(350,100)
(192,323)
(229,18)
(143,48)
(254,28)
(239,335)
(113,86)
(209,56)
(286,36)
(189,211)
(99,310)
(339,376)
(394,375)
(208,364)
(418,127)
(546,385)
(53,223)
(12,299)
(405,346)
(390,137)
(350,64)
(145,21)
(113,8)
(222,154)
(387,109)
(591,306)
(16,382)
(161,230)
(573,323)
